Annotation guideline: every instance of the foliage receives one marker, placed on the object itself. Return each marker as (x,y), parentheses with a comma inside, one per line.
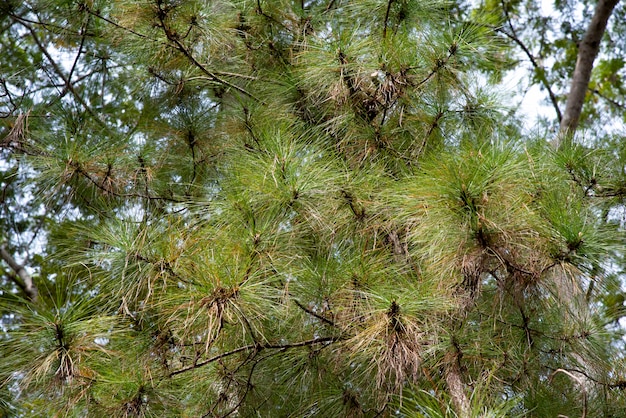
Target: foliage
(314,208)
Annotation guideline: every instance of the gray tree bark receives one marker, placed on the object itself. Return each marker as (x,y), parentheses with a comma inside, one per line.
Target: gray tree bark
(587,52)
(456,387)
(23,279)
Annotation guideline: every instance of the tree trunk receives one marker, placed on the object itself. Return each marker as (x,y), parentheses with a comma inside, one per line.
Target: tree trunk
(456,387)
(23,279)
(587,52)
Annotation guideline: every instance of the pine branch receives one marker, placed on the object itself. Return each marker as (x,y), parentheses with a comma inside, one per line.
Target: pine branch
(124,28)
(107,190)
(616,384)
(175,40)
(247,390)
(6,93)
(329,6)
(386,21)
(433,125)
(439,64)
(212,75)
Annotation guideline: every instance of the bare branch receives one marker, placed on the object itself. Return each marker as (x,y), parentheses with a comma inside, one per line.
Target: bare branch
(612,102)
(316,315)
(59,72)
(257,347)
(539,70)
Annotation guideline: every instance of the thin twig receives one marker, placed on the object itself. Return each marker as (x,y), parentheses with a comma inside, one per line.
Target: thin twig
(608,99)
(60,73)
(124,28)
(316,315)
(538,69)
(80,48)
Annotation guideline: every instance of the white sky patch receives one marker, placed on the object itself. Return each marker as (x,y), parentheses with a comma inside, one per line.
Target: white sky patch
(531,101)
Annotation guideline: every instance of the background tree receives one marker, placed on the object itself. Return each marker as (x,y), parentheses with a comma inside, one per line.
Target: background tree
(552,38)
(319,208)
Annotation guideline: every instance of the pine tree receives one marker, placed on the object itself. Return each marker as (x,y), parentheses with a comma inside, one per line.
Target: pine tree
(296,208)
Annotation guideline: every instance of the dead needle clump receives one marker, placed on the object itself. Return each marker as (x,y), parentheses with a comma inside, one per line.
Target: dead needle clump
(219,298)
(391,341)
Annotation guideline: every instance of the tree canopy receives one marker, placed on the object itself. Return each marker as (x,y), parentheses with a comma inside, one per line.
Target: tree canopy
(311,208)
